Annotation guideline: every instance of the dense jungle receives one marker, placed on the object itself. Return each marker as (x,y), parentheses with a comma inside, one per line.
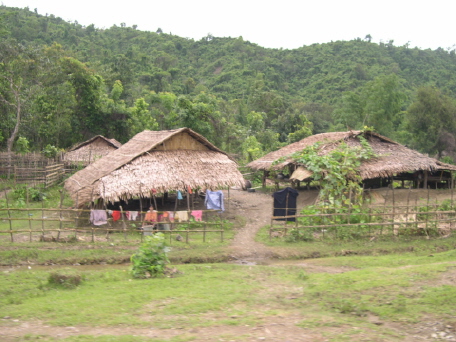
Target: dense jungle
(62,83)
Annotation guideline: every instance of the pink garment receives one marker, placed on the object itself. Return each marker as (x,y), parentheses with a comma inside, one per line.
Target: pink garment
(197,214)
(171,216)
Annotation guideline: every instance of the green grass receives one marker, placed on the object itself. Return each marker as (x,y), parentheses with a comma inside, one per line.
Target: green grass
(212,294)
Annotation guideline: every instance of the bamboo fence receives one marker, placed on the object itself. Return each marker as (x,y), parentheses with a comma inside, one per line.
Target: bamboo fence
(33,169)
(72,225)
(421,219)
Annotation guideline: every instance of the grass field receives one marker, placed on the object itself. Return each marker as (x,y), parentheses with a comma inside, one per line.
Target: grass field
(392,289)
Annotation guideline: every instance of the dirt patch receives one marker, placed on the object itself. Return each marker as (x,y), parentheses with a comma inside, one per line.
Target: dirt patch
(256,208)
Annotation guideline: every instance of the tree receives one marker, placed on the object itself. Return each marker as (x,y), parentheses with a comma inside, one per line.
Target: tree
(18,66)
(432,118)
(88,117)
(140,118)
(377,105)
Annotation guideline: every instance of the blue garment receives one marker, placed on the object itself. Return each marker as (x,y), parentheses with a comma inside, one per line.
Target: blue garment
(179,195)
(214,200)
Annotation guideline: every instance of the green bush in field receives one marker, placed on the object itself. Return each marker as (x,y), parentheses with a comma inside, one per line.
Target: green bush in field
(67,279)
(151,258)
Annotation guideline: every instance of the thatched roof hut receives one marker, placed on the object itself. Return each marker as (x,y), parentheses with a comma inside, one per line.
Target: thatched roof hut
(88,151)
(392,157)
(160,160)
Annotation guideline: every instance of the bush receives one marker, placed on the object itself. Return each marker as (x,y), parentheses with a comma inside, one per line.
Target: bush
(151,258)
(67,279)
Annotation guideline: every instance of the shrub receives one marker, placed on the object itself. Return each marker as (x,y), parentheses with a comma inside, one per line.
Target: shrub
(67,279)
(151,258)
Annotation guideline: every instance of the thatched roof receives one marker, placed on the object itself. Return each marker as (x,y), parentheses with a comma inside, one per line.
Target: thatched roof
(91,150)
(161,160)
(393,158)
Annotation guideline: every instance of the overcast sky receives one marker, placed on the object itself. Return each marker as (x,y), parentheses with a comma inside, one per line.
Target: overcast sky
(287,24)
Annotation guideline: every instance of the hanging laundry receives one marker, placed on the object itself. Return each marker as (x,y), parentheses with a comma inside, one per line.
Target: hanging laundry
(179,195)
(133,215)
(197,214)
(165,216)
(116,215)
(127,215)
(214,200)
(171,216)
(98,217)
(285,203)
(189,189)
(181,216)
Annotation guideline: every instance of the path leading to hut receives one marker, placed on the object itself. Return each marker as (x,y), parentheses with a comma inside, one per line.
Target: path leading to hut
(252,210)
(255,209)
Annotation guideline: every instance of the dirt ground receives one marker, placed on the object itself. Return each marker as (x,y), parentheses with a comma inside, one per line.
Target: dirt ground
(256,209)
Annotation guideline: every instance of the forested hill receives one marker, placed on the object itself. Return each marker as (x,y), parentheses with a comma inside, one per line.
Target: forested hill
(245,98)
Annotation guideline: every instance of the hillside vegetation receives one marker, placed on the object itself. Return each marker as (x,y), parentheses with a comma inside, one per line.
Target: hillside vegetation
(62,83)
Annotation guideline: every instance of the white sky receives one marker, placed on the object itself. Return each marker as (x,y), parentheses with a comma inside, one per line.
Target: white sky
(273,24)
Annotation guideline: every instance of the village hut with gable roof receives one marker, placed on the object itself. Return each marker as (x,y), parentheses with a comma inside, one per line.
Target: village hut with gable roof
(88,151)
(158,161)
(393,161)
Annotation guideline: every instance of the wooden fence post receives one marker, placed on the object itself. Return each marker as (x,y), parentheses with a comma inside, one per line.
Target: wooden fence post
(9,216)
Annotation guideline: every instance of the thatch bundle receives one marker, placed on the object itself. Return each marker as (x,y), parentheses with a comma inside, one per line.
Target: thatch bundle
(160,160)
(392,157)
(91,150)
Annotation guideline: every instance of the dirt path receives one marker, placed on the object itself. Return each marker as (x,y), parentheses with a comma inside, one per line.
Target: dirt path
(256,208)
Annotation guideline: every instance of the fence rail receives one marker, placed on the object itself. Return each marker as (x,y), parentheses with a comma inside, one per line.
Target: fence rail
(316,226)
(71,225)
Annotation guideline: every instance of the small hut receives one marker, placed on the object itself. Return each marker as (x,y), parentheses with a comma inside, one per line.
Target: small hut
(393,161)
(155,161)
(88,151)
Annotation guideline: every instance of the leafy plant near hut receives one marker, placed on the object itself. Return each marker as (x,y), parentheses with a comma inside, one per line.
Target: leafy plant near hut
(151,258)
(340,187)
(336,172)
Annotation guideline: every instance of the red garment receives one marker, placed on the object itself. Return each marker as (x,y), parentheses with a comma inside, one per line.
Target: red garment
(189,189)
(116,215)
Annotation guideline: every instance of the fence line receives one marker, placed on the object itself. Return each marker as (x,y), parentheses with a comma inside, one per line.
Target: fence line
(70,233)
(424,220)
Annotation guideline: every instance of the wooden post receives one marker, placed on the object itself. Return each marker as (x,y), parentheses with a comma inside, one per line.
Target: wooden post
(384,211)
(60,214)
(155,201)
(124,225)
(42,218)
(394,208)
(229,198)
(425,184)
(204,233)
(28,214)
(9,216)
(427,215)
(407,209)
(286,210)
